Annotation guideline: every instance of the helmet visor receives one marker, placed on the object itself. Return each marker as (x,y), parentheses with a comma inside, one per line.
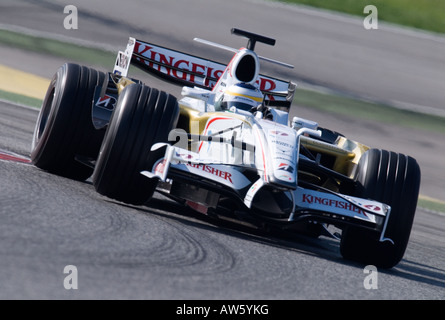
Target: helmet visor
(226,105)
(239,102)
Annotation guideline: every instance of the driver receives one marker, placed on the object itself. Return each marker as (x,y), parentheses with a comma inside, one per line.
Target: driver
(243,96)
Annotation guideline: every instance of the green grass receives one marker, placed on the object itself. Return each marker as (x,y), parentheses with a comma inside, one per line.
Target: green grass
(431,204)
(421,14)
(20,99)
(66,50)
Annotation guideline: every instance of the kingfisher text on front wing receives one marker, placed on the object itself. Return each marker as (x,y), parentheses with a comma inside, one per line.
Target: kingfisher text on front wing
(229,309)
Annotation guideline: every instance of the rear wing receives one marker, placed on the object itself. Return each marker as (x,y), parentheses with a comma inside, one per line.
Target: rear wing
(188,70)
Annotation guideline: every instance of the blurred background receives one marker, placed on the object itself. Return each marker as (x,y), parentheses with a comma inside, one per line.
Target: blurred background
(383,87)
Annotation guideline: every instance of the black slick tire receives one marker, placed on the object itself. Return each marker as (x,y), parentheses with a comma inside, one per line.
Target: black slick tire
(64,129)
(143,117)
(393,179)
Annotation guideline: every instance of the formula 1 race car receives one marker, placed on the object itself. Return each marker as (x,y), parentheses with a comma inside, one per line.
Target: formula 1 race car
(227,149)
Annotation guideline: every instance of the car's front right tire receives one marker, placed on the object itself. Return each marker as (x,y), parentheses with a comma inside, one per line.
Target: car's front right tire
(393,179)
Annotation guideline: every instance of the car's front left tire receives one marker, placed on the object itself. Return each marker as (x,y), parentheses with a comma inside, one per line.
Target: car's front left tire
(143,116)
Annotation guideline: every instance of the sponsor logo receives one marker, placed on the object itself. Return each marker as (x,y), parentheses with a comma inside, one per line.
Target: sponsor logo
(286,167)
(281,143)
(310,199)
(172,66)
(188,68)
(122,60)
(213,171)
(372,207)
(106,102)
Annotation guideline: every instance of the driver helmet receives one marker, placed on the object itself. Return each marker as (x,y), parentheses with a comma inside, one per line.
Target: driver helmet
(242,96)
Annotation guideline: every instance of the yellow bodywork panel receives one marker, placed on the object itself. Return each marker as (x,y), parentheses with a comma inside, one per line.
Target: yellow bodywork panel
(346,152)
(192,120)
(122,83)
(358,149)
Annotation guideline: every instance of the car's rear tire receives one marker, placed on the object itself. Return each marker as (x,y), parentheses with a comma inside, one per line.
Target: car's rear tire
(143,117)
(64,128)
(393,179)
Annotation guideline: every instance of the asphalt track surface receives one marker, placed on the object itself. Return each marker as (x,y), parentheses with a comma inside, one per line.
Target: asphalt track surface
(162,251)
